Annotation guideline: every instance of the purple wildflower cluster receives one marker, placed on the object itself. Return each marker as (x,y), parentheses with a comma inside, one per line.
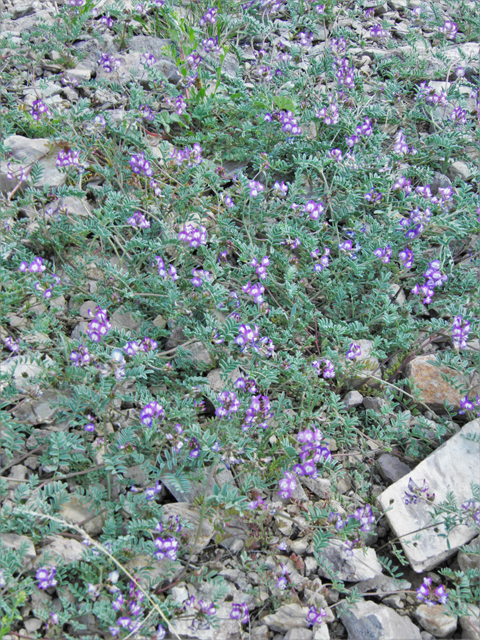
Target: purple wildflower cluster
(401,147)
(211,45)
(46,577)
(427,595)
(449,29)
(471,509)
(315,616)
(430,95)
(354,351)
(312,451)
(38,109)
(140,165)
(305,39)
(362,130)
(11,344)
(255,188)
(345,73)
(377,32)
(289,123)
(138,221)
(416,493)
(261,267)
(246,384)
(229,403)
(109,63)
(406,256)
(35,266)
(460,331)
(193,234)
(68,158)
(81,357)
(240,612)
(166,548)
(199,276)
(324,367)
(384,253)
(249,338)
(324,259)
(98,325)
(329,114)
(373,196)
(162,269)
(146,112)
(470,405)
(362,515)
(146,345)
(210,17)
(148,60)
(280,189)
(433,278)
(315,209)
(403,184)
(444,194)
(258,413)
(189,156)
(150,412)
(131,610)
(417,221)
(256,291)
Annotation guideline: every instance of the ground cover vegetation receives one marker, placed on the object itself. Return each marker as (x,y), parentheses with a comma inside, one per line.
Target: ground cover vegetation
(228,231)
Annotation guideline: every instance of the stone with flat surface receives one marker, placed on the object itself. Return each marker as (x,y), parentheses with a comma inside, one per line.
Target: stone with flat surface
(443,474)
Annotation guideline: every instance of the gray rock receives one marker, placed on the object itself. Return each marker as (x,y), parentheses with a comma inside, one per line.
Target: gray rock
(434,389)
(321,487)
(215,381)
(397,294)
(460,170)
(322,633)
(201,483)
(299,634)
(352,399)
(124,320)
(289,616)
(382,584)
(26,151)
(362,565)
(175,339)
(442,473)
(149,571)
(23,371)
(15,541)
(66,549)
(391,468)
(190,518)
(374,404)
(366,365)
(470,559)
(75,512)
(471,623)
(366,620)
(435,620)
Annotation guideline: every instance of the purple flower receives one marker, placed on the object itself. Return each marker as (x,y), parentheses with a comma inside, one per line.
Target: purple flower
(199,275)
(255,188)
(151,411)
(109,63)
(180,105)
(426,594)
(256,291)
(68,158)
(324,367)
(329,114)
(289,123)
(460,331)
(315,209)
(261,269)
(336,154)
(314,616)
(166,548)
(99,325)
(373,196)
(46,577)
(354,351)
(38,109)
(247,335)
(415,493)
(147,113)
(189,156)
(210,17)
(138,220)
(384,253)
(449,29)
(239,612)
(406,256)
(140,165)
(280,189)
(11,344)
(229,403)
(403,184)
(194,235)
(148,60)
(401,147)
(81,357)
(287,485)
(472,508)
(377,32)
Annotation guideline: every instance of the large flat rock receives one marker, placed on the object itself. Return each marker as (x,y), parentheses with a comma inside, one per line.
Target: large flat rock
(452,468)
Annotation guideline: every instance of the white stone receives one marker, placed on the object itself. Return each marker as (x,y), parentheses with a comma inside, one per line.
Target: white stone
(66,549)
(471,623)
(289,616)
(435,620)
(366,620)
(443,474)
(352,566)
(14,540)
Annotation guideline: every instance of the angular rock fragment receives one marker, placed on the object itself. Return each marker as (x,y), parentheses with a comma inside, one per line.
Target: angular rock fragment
(443,473)
(367,620)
